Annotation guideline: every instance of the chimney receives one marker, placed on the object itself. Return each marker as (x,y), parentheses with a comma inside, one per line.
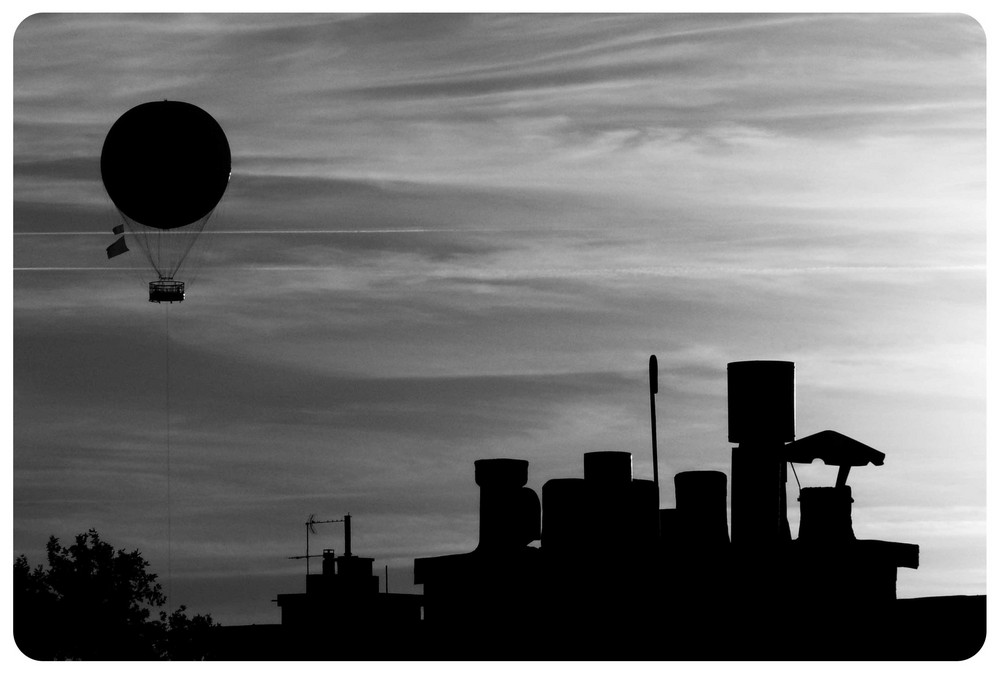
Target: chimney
(509,512)
(761,401)
(607,478)
(564,518)
(825,515)
(329,562)
(608,469)
(761,421)
(701,508)
(643,525)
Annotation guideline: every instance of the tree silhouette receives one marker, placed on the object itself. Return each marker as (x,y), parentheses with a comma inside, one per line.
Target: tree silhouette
(95,603)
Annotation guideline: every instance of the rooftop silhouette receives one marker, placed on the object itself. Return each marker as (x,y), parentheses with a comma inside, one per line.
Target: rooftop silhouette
(615,576)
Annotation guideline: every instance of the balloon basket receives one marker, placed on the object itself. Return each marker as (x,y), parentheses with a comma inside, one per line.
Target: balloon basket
(166,290)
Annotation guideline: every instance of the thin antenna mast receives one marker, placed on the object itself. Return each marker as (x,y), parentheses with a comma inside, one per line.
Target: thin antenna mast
(653,389)
(310,529)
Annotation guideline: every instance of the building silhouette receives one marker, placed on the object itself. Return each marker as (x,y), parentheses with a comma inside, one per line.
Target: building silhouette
(596,569)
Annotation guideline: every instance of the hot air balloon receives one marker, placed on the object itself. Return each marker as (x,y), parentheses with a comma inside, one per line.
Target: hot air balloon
(165,166)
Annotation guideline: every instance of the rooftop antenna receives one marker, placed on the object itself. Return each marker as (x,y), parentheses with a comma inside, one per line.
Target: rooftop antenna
(653,389)
(311,529)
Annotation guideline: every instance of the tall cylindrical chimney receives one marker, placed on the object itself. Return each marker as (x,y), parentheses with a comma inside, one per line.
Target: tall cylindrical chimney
(761,421)
(761,401)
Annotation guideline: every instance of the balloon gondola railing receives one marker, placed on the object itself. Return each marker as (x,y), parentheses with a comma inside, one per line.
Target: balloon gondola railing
(166,290)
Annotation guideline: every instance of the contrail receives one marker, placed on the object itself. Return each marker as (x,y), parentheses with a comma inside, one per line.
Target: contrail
(694,272)
(81,269)
(401,230)
(677,272)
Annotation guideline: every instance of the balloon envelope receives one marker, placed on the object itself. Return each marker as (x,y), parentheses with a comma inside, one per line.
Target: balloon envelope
(166,164)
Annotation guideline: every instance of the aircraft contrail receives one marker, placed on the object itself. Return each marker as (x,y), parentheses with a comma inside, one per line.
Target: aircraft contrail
(411,230)
(589,273)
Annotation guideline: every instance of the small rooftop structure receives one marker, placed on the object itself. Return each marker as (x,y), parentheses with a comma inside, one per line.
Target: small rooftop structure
(344,600)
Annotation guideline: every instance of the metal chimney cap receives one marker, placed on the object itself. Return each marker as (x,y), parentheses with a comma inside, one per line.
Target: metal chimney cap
(511,473)
(700,479)
(833,449)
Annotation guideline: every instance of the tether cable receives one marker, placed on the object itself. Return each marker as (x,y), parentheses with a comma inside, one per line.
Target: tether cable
(166,313)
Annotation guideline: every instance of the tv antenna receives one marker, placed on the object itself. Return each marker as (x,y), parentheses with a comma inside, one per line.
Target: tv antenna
(311,529)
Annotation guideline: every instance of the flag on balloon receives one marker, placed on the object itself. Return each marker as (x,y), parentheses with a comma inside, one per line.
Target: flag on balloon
(117,248)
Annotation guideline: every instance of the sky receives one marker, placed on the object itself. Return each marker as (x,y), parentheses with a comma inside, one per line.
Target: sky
(455,237)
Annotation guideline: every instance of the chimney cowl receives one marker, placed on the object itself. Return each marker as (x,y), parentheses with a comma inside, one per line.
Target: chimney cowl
(503,473)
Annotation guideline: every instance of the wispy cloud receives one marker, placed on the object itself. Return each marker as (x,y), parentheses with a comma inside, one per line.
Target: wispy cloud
(456,236)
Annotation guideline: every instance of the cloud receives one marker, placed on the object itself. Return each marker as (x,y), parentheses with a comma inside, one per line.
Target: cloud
(454,237)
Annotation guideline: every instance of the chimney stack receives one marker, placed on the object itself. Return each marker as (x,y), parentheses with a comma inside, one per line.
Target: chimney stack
(761,421)
(701,508)
(825,514)
(509,512)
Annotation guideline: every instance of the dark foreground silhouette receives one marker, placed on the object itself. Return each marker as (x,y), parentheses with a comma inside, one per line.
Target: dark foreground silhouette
(595,569)
(617,577)
(93,602)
